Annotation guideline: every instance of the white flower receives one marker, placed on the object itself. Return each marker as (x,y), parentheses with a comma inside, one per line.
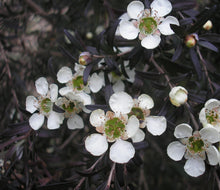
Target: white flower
(148,23)
(44,104)
(72,107)
(115,127)
(156,125)
(74,82)
(209,116)
(178,95)
(194,147)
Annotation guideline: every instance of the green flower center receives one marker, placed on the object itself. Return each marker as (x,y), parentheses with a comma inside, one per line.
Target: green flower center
(114,128)
(137,112)
(46,105)
(78,83)
(195,144)
(211,116)
(69,108)
(147,25)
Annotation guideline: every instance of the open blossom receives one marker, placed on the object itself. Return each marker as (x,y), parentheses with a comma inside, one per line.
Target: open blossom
(74,82)
(156,125)
(178,95)
(44,104)
(210,115)
(194,147)
(148,24)
(114,127)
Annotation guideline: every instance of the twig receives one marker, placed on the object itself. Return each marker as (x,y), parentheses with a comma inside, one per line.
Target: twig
(36,7)
(110,177)
(205,69)
(217,179)
(67,141)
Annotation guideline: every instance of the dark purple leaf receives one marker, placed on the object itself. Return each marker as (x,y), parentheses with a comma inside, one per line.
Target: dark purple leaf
(50,67)
(208,45)
(86,72)
(149,75)
(181,77)
(211,37)
(91,49)
(202,19)
(111,32)
(96,106)
(58,109)
(158,85)
(196,98)
(147,4)
(196,62)
(186,21)
(140,145)
(68,54)
(177,52)
(183,5)
(119,174)
(44,133)
(108,88)
(112,64)
(16,129)
(75,42)
(179,30)
(123,70)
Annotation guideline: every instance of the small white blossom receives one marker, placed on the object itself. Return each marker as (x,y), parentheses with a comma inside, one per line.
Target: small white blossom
(178,95)
(115,127)
(44,104)
(156,125)
(148,23)
(194,147)
(210,115)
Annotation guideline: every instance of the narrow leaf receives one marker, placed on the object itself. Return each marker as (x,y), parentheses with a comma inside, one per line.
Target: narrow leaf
(208,45)
(196,63)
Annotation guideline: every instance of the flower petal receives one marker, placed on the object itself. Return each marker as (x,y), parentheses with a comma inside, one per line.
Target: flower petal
(213,155)
(164,27)
(138,137)
(151,41)
(213,102)
(202,117)
(75,122)
(134,9)
(183,130)
(176,150)
(79,69)
(55,120)
(65,90)
(81,97)
(97,118)
(178,95)
(121,151)
(121,102)
(36,121)
(132,126)
(41,86)
(194,167)
(210,134)
(53,92)
(31,104)
(128,30)
(145,101)
(96,144)
(64,75)
(118,86)
(156,125)
(161,7)
(130,73)
(95,82)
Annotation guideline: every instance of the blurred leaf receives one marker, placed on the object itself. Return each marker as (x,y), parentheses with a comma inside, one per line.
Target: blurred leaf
(16,129)
(177,52)
(111,32)
(74,41)
(196,62)
(68,54)
(108,88)
(202,19)
(86,72)
(58,109)
(179,30)
(196,98)
(97,106)
(112,64)
(181,77)
(211,37)
(179,5)
(208,45)
(149,75)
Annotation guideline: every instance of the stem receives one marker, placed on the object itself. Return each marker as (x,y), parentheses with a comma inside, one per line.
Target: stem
(118,55)
(110,177)
(67,141)
(187,106)
(80,183)
(205,69)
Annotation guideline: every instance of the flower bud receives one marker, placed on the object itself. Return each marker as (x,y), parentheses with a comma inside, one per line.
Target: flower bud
(207,25)
(178,96)
(190,40)
(85,58)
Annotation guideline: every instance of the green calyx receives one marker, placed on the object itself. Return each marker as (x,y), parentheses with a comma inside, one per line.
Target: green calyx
(46,105)
(147,25)
(78,83)
(114,128)
(69,108)
(211,117)
(137,112)
(196,144)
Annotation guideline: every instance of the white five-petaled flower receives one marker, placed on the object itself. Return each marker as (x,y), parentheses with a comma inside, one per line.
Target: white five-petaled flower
(114,127)
(156,125)
(147,23)
(74,82)
(178,95)
(194,148)
(44,104)
(72,106)
(210,115)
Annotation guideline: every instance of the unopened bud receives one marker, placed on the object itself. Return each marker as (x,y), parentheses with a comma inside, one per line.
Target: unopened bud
(190,40)
(208,25)
(178,96)
(85,58)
